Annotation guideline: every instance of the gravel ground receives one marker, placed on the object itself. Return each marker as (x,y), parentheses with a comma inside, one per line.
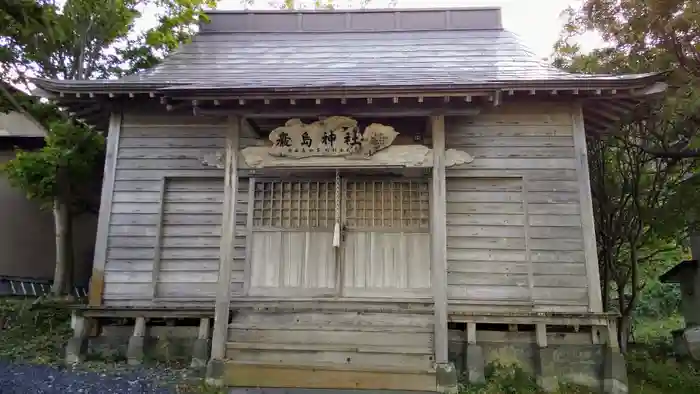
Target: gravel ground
(40,379)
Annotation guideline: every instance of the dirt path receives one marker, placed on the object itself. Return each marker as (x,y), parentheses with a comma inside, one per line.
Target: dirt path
(40,379)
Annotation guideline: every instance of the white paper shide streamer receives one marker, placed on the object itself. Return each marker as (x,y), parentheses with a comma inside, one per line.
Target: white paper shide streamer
(336,228)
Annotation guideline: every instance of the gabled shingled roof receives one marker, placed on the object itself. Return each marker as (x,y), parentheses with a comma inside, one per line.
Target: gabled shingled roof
(253,57)
(289,60)
(347,50)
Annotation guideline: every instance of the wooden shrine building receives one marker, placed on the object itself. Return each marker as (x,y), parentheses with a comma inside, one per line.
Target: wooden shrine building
(356,199)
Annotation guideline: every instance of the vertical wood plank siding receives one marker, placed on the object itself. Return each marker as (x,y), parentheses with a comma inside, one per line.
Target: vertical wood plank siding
(524,172)
(150,148)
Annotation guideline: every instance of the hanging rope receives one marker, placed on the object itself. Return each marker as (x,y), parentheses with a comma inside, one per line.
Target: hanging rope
(336,229)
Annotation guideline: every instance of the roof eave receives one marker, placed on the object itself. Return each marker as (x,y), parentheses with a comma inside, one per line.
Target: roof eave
(122,87)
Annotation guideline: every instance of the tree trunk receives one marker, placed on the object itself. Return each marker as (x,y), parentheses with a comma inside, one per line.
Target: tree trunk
(605,280)
(63,274)
(624,330)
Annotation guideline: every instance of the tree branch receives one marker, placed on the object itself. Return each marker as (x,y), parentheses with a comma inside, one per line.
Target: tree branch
(6,92)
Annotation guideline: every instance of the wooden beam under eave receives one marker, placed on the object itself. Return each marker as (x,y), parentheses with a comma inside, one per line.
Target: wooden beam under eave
(438,207)
(368,111)
(604,114)
(595,122)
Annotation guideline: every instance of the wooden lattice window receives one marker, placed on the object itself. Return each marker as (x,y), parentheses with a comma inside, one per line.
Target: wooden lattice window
(294,204)
(387,204)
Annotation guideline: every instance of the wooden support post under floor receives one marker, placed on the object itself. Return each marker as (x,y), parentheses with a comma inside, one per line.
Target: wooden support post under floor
(202,345)
(473,357)
(77,345)
(546,371)
(614,364)
(135,349)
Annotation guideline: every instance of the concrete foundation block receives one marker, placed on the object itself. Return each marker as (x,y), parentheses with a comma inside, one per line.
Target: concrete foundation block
(135,350)
(215,373)
(76,349)
(613,386)
(614,373)
(546,370)
(691,338)
(474,364)
(680,346)
(446,376)
(200,353)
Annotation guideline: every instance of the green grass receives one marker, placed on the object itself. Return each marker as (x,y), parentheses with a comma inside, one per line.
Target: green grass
(511,380)
(651,365)
(653,369)
(655,330)
(35,332)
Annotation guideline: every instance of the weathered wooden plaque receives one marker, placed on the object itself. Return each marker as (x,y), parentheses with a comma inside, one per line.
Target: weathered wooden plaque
(331,137)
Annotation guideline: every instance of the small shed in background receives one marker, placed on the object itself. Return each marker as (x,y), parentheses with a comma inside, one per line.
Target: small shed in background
(686,273)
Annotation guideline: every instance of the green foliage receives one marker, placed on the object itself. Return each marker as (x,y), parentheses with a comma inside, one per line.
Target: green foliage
(83,39)
(78,39)
(644,36)
(654,370)
(658,301)
(648,330)
(638,220)
(35,332)
(70,147)
(640,172)
(502,379)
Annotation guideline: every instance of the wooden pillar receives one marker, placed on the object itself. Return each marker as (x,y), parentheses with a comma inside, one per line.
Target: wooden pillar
(100,257)
(595,300)
(439,237)
(446,375)
(228,228)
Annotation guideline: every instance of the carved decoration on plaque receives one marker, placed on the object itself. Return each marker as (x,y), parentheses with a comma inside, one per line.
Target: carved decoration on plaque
(333,136)
(333,142)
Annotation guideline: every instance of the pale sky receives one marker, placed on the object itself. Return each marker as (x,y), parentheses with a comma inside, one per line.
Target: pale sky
(537,22)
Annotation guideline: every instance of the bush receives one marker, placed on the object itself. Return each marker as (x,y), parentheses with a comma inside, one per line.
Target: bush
(504,379)
(653,369)
(34,331)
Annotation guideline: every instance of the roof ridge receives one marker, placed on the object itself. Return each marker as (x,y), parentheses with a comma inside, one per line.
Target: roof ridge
(352,10)
(224,32)
(354,20)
